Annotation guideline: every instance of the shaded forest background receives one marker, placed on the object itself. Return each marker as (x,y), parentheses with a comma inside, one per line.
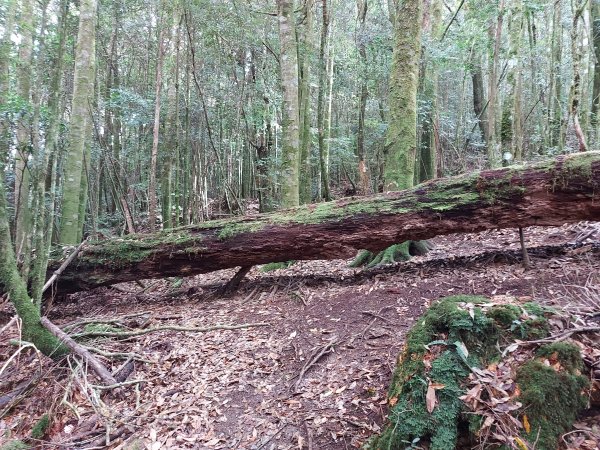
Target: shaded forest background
(184,116)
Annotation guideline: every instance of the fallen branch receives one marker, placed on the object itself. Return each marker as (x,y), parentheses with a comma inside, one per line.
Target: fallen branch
(317,355)
(78,349)
(126,334)
(564,335)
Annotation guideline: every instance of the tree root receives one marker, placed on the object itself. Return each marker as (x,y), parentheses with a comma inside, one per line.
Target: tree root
(395,253)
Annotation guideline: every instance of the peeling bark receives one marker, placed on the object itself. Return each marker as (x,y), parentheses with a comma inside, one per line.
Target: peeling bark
(550,193)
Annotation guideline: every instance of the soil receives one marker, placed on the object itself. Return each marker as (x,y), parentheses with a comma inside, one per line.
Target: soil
(253,388)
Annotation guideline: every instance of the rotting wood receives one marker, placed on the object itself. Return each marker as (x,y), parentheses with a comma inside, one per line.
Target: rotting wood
(550,193)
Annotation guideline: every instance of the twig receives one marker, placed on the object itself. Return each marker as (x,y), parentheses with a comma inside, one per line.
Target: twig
(123,334)
(273,437)
(63,266)
(563,335)
(317,355)
(78,349)
(9,324)
(118,385)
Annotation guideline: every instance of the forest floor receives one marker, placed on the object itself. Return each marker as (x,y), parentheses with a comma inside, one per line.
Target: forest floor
(246,388)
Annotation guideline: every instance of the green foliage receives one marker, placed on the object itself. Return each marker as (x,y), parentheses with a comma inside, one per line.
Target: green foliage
(567,354)
(41,427)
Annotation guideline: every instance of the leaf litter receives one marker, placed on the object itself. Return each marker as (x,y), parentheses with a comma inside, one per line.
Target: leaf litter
(231,389)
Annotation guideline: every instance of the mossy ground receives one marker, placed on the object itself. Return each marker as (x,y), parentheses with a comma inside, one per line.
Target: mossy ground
(462,332)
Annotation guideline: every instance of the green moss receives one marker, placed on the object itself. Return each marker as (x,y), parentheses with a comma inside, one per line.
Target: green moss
(551,401)
(462,332)
(567,354)
(14,445)
(100,328)
(41,427)
(454,329)
(231,230)
(276,266)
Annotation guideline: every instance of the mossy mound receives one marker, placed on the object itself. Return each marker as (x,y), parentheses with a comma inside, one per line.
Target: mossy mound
(438,395)
(392,254)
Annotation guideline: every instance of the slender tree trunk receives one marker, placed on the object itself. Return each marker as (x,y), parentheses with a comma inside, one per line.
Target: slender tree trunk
(595,109)
(429,90)
(152,203)
(555,108)
(29,313)
(80,126)
(511,115)
(24,137)
(479,103)
(5,48)
(401,140)
(575,94)
(171,149)
(290,195)
(361,44)
(305,52)
(496,37)
(321,99)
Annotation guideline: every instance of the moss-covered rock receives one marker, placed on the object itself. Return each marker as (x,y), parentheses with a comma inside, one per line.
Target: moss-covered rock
(462,335)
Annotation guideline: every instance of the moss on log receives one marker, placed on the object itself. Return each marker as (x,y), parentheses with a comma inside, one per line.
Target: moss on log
(555,192)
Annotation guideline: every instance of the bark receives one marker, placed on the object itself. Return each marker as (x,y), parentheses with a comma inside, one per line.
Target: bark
(305,41)
(16,287)
(596,90)
(5,47)
(479,99)
(550,193)
(24,143)
(152,202)
(291,108)
(495,32)
(401,141)
(322,95)
(80,125)
(575,93)
(363,171)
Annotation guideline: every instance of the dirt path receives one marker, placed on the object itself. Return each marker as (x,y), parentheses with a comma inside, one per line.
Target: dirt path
(240,389)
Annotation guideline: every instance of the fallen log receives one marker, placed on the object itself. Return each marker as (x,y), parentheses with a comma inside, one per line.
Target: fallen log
(555,192)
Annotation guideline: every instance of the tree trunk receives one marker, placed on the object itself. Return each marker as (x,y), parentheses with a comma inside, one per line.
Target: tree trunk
(363,170)
(152,203)
(496,36)
(24,141)
(401,141)
(305,41)
(595,120)
(83,88)
(290,195)
(322,95)
(575,93)
(5,48)
(16,287)
(549,193)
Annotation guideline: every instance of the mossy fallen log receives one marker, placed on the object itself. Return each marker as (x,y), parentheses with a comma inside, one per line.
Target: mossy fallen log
(462,381)
(555,192)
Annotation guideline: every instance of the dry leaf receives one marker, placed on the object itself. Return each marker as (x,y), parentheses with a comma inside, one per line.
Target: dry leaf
(526,424)
(430,399)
